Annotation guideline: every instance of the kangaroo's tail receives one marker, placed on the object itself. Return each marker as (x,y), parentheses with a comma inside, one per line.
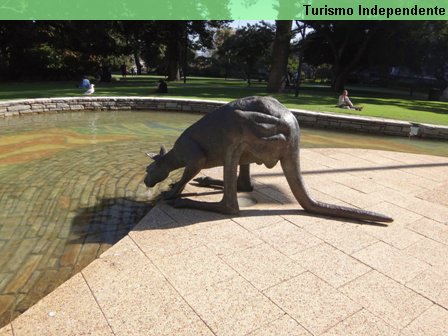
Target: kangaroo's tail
(291,168)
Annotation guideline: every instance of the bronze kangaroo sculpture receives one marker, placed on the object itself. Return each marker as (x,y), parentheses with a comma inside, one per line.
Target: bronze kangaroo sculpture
(248,130)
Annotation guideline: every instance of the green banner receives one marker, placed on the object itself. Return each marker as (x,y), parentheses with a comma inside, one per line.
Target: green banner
(223,9)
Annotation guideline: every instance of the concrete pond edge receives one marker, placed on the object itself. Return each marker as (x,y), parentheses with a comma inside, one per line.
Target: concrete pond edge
(324,120)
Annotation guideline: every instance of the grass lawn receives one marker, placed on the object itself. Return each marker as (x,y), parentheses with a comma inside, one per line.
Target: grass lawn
(377,102)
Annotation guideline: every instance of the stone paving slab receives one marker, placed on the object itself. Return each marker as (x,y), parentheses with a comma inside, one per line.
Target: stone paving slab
(274,269)
(70,310)
(6,331)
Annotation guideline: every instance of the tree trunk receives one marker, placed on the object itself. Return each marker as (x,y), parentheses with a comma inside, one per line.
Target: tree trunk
(173,61)
(138,65)
(248,74)
(444,95)
(339,81)
(341,71)
(173,49)
(299,75)
(173,71)
(280,53)
(302,30)
(185,54)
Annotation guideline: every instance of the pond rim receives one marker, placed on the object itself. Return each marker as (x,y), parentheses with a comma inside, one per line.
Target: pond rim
(335,121)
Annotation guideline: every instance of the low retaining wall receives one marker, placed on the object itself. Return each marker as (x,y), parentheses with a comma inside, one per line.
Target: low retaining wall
(332,121)
(433,131)
(30,106)
(352,123)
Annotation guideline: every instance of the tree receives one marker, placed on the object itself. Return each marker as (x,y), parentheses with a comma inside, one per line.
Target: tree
(301,28)
(221,54)
(18,41)
(424,51)
(250,47)
(341,43)
(179,36)
(138,36)
(66,49)
(280,53)
(354,45)
(175,32)
(55,49)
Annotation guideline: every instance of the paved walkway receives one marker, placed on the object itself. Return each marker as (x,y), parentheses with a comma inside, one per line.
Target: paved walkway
(275,270)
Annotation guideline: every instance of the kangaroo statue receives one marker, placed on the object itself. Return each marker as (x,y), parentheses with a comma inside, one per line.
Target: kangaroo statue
(248,130)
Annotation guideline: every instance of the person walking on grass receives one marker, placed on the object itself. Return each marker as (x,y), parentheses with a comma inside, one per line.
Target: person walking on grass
(345,102)
(124,71)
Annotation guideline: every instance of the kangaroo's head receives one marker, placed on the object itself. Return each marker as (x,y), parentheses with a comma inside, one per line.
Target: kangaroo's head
(158,170)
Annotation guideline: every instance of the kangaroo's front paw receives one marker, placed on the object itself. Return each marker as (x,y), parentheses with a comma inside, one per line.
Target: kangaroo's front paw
(203,181)
(168,195)
(229,210)
(178,203)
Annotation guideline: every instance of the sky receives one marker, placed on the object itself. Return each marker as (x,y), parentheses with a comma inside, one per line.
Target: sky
(242,23)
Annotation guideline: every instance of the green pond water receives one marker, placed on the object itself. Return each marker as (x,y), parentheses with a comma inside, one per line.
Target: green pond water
(71,185)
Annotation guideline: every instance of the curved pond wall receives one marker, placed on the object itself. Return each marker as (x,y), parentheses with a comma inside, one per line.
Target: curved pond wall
(332,121)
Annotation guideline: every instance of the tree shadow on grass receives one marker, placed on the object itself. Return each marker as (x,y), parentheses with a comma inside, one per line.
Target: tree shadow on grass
(329,99)
(310,95)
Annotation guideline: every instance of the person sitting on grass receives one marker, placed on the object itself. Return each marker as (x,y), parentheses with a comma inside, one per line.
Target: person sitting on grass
(162,87)
(85,83)
(345,103)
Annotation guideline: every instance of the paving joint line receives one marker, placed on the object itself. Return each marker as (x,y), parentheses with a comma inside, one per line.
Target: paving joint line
(402,284)
(98,304)
(172,286)
(267,297)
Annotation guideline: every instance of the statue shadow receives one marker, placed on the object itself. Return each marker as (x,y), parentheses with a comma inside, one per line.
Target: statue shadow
(107,222)
(113,218)
(166,216)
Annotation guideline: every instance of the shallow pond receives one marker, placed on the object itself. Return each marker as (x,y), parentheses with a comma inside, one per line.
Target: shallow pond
(71,186)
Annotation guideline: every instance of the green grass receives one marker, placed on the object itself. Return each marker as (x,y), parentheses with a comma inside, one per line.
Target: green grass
(384,103)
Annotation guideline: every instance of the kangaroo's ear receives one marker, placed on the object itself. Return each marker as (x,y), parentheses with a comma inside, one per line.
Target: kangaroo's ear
(153,156)
(162,150)
(157,156)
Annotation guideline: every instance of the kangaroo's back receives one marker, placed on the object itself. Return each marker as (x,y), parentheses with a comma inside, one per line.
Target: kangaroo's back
(266,127)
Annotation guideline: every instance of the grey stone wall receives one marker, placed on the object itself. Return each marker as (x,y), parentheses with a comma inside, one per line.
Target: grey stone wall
(353,123)
(433,131)
(332,121)
(30,106)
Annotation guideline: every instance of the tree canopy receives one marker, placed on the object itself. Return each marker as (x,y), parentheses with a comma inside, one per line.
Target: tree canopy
(70,49)
(354,45)
(250,47)
(65,49)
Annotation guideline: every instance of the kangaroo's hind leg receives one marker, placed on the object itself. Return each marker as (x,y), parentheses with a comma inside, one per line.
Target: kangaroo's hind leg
(243,182)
